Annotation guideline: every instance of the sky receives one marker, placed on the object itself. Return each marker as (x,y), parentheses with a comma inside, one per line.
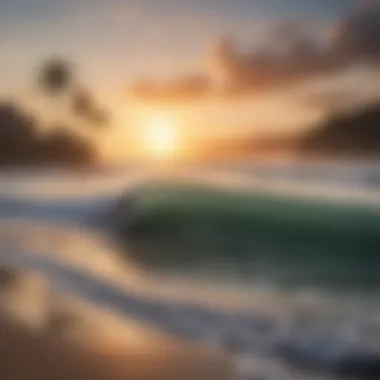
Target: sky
(217,68)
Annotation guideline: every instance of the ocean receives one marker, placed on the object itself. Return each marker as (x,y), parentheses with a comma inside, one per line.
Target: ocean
(274,265)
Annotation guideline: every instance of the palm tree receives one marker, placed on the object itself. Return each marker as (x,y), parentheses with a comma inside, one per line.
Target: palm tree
(85,107)
(56,76)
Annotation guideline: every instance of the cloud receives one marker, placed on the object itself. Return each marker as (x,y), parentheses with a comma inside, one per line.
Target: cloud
(334,101)
(184,88)
(294,55)
(238,72)
(354,42)
(357,37)
(340,99)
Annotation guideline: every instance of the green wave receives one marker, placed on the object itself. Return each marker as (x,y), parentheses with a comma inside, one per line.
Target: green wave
(257,235)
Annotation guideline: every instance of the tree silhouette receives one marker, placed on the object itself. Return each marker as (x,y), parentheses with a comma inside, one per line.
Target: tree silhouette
(354,134)
(17,134)
(62,147)
(20,143)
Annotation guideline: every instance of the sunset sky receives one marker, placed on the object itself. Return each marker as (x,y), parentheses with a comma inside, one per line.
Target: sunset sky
(213,67)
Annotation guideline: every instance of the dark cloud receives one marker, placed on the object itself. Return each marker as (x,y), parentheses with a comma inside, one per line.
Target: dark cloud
(358,36)
(295,55)
(355,41)
(266,68)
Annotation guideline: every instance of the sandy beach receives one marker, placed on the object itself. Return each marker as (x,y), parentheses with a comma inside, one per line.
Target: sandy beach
(28,354)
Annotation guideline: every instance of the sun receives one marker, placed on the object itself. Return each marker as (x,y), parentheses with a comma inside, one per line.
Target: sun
(161,137)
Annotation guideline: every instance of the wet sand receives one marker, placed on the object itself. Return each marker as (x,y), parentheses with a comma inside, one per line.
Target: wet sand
(48,335)
(27,354)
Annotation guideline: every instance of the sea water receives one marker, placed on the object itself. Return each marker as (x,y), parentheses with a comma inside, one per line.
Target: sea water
(275,265)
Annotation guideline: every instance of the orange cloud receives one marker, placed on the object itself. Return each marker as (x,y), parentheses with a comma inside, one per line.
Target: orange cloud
(184,88)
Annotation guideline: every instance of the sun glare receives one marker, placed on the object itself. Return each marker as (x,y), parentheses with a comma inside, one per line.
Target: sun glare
(161,137)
